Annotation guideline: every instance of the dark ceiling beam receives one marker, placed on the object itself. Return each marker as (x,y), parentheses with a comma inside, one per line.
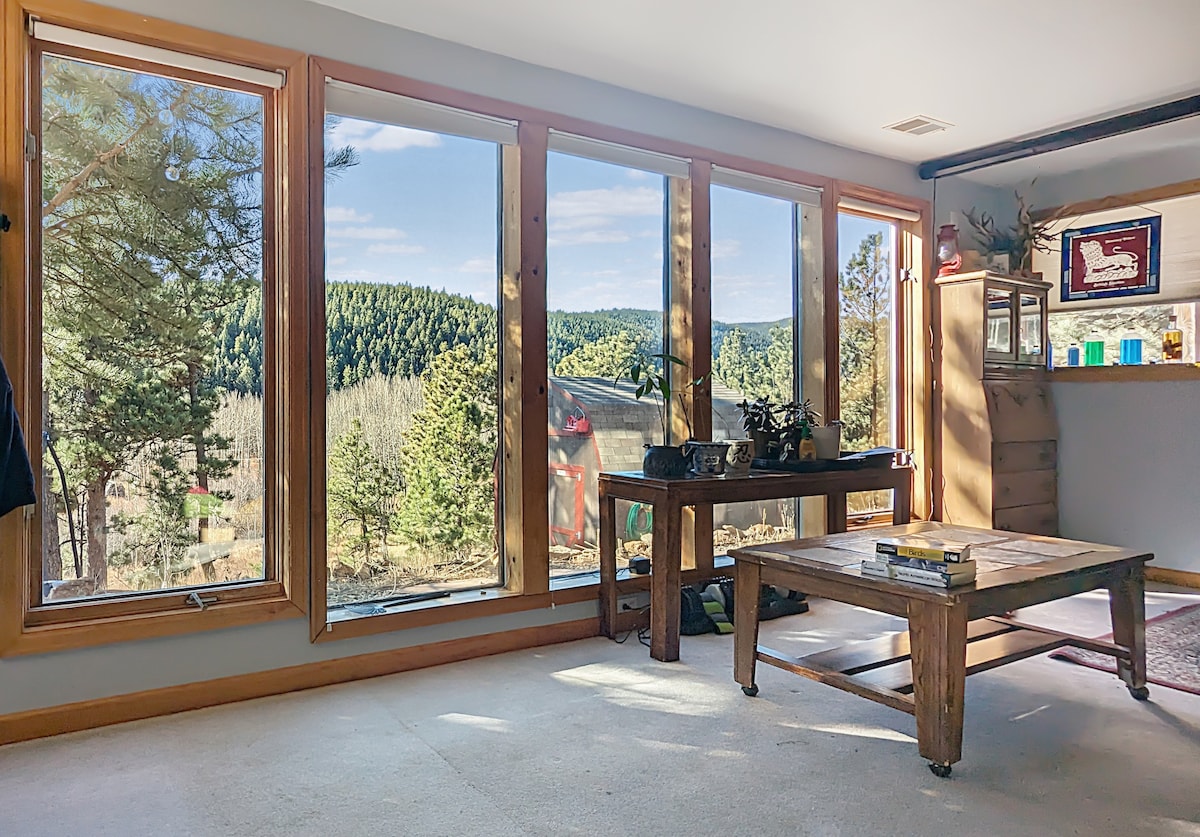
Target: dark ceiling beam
(1003,152)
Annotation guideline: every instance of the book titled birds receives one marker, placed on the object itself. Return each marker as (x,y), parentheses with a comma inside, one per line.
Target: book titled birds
(921,560)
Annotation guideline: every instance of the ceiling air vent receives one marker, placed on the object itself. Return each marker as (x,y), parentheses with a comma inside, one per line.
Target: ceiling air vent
(918,125)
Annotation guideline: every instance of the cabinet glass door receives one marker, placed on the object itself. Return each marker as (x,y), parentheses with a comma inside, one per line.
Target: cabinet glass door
(998,304)
(1031,343)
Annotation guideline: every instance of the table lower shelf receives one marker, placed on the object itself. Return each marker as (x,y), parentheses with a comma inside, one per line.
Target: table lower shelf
(881,669)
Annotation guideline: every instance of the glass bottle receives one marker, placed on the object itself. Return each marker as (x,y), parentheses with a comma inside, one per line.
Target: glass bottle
(1093,349)
(1131,349)
(1073,354)
(1172,342)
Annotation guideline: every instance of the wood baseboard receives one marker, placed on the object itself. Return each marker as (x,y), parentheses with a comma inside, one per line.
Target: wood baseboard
(1181,578)
(73,717)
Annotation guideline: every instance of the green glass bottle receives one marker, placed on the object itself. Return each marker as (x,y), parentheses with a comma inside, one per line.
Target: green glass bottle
(1093,349)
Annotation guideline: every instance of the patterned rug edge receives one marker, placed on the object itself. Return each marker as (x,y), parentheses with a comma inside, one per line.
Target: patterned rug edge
(1109,664)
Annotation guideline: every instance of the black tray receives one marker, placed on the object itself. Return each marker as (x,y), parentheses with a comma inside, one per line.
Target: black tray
(796,466)
(850,461)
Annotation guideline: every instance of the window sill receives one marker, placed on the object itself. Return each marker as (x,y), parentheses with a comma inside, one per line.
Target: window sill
(85,633)
(456,607)
(1125,374)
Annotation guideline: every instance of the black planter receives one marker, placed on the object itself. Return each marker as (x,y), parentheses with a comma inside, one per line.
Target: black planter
(664,462)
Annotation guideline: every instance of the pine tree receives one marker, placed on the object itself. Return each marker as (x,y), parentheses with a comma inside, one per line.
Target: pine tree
(362,494)
(449,455)
(152,223)
(604,358)
(865,293)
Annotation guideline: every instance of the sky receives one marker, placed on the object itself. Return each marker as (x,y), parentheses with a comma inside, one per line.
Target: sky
(422,209)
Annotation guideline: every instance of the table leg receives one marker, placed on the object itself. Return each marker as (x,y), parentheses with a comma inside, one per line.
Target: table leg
(747,579)
(835,513)
(938,636)
(664,583)
(608,565)
(1127,605)
(902,499)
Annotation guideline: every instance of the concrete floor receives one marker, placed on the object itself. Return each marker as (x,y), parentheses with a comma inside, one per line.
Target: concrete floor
(592,737)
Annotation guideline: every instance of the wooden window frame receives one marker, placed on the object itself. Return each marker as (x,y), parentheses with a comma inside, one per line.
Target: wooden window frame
(26,625)
(913,337)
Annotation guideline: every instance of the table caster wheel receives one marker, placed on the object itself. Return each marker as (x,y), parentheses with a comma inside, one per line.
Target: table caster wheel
(751,691)
(940,770)
(1139,693)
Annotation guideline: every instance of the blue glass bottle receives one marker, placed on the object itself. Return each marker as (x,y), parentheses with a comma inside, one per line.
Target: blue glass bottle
(1131,349)
(1073,354)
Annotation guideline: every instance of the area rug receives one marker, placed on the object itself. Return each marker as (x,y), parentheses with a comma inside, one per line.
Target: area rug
(1172,651)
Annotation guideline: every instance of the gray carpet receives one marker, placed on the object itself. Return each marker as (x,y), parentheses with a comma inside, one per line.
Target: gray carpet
(592,737)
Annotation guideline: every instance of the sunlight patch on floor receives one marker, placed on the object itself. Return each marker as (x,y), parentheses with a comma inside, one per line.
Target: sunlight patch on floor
(636,689)
(477,721)
(856,730)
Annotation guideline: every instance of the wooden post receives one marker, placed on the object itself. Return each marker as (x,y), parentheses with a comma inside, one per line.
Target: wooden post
(690,338)
(812,304)
(524,445)
(608,564)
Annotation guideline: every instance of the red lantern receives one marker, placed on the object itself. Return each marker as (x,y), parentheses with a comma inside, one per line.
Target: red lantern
(949,259)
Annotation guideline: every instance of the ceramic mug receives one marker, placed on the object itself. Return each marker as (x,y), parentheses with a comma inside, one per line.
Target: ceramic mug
(708,458)
(740,456)
(828,441)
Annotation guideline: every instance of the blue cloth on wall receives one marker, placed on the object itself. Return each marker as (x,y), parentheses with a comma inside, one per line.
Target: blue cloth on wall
(16,477)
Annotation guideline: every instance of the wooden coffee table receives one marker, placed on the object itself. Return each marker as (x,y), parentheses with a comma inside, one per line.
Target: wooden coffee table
(951,633)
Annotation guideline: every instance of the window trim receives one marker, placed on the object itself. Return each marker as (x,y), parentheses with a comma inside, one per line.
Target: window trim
(42,627)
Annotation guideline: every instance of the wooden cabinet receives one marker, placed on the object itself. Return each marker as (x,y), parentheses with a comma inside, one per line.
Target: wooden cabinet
(999,434)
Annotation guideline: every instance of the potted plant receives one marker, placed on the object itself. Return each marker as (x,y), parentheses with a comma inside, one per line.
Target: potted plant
(651,375)
(760,424)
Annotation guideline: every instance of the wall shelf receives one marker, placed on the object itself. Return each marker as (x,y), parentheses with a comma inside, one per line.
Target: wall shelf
(1126,374)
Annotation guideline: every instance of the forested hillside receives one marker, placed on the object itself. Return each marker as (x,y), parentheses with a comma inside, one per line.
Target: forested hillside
(396,330)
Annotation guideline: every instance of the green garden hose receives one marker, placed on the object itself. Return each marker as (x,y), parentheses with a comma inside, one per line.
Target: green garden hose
(639,521)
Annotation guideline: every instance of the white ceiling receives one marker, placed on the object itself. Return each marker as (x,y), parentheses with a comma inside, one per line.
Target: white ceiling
(839,71)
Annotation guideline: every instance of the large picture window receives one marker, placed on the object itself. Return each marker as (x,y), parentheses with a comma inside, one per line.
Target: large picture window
(606,211)
(155,263)
(412,350)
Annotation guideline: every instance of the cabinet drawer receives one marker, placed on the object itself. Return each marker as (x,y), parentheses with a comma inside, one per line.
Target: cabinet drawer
(1029,488)
(1041,519)
(1020,411)
(1014,457)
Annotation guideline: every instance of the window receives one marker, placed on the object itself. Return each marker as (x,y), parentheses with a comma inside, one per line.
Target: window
(412,350)
(762,233)
(152,347)
(868,335)
(606,210)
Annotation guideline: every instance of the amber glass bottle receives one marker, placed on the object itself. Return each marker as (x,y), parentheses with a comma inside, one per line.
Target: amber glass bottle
(1172,348)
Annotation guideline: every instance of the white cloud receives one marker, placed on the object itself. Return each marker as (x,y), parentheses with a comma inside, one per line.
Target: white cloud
(617,202)
(346,215)
(587,237)
(338,262)
(395,249)
(368,233)
(369,136)
(588,216)
(638,174)
(725,247)
(478,266)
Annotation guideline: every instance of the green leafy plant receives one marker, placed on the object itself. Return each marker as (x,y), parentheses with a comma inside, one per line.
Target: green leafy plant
(651,375)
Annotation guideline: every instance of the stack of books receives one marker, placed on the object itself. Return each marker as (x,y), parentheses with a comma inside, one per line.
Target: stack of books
(921,560)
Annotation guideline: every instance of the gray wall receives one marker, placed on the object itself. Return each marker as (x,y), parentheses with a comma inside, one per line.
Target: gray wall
(1127,470)
(32,682)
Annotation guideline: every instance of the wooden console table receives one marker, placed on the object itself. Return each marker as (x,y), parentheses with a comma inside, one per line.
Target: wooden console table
(951,633)
(670,496)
